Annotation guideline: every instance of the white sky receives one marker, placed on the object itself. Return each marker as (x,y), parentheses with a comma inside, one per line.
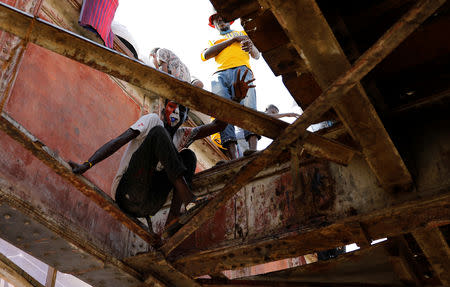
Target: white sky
(182,26)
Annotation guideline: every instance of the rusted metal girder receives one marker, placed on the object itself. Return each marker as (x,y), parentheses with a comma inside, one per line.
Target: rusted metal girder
(16,275)
(15,59)
(42,152)
(313,37)
(388,222)
(21,135)
(281,283)
(435,247)
(402,260)
(57,242)
(117,65)
(391,39)
(373,270)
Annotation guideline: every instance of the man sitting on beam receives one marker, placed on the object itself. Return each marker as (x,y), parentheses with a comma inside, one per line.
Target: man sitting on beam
(157,160)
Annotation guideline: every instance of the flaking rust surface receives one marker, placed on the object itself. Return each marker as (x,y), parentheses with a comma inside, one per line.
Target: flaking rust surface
(71,108)
(42,188)
(266,206)
(32,237)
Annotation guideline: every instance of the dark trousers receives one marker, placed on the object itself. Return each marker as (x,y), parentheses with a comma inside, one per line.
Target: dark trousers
(143,190)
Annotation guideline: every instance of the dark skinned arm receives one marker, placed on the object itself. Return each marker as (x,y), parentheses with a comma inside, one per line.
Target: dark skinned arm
(240,91)
(105,151)
(215,50)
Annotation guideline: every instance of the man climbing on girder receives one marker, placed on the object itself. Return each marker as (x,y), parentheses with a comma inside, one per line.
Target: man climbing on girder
(156,160)
(231,52)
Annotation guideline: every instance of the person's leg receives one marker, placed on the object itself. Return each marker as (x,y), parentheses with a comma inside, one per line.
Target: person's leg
(143,190)
(189,160)
(232,150)
(252,142)
(222,85)
(250,102)
(174,210)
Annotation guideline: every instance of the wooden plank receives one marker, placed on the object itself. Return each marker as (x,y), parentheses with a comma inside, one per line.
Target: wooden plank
(388,222)
(437,251)
(138,74)
(314,38)
(15,275)
(391,39)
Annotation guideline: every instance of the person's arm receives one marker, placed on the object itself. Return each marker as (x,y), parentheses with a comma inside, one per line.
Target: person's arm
(279,116)
(105,151)
(215,50)
(240,91)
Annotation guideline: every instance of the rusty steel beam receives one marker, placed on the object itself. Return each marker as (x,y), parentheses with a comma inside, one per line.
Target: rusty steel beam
(136,73)
(13,274)
(388,222)
(435,247)
(108,61)
(280,283)
(314,39)
(42,152)
(72,247)
(391,39)
(69,248)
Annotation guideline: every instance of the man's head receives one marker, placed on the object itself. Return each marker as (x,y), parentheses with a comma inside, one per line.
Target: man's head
(218,22)
(272,110)
(174,115)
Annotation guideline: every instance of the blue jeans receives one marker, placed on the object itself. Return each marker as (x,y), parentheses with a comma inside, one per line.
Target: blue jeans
(222,85)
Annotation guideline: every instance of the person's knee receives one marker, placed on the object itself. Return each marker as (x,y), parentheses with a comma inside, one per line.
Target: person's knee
(189,158)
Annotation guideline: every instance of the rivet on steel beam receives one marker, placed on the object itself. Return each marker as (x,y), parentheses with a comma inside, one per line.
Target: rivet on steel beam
(35,233)
(7,216)
(19,238)
(26,222)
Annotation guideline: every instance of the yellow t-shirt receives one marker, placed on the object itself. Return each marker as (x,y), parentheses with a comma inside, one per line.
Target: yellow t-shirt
(216,138)
(233,55)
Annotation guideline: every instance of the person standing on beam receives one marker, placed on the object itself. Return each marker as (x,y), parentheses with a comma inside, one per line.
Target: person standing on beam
(232,52)
(166,61)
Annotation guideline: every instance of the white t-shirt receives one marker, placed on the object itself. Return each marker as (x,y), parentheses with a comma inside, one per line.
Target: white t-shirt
(183,138)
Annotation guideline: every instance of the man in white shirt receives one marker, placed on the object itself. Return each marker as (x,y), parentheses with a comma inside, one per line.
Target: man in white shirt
(156,160)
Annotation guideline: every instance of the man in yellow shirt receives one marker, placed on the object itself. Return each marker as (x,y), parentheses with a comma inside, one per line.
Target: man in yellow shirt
(232,52)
